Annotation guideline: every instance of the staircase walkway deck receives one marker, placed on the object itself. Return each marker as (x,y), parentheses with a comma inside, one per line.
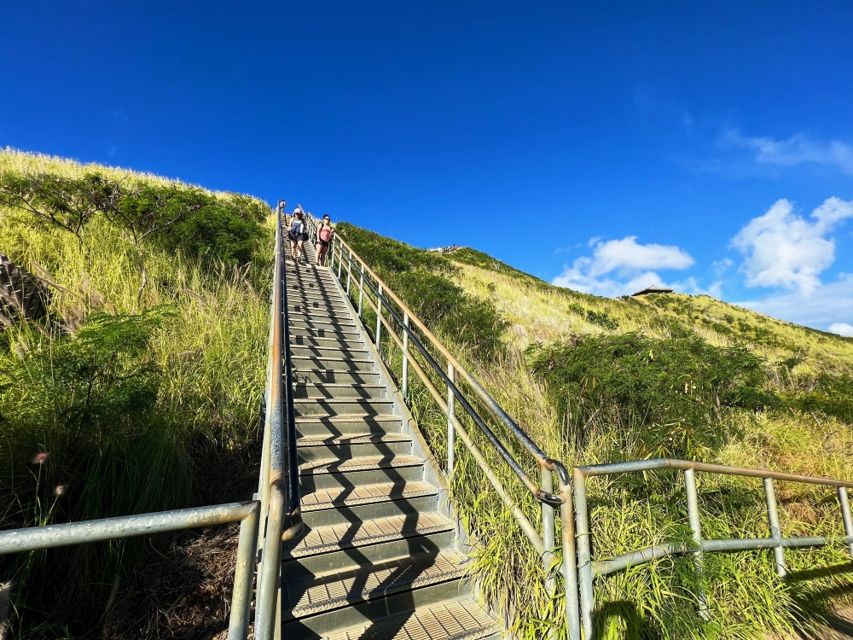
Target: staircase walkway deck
(377,558)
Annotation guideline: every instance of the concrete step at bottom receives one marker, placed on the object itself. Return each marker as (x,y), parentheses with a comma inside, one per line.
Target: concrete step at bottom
(457,619)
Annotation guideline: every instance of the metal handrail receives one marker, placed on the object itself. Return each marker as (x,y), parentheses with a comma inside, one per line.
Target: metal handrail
(280,505)
(406,321)
(589,569)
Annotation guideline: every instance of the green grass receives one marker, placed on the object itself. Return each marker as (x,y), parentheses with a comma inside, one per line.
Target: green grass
(592,380)
(141,385)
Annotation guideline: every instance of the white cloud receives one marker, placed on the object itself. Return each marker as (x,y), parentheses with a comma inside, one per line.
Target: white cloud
(796,150)
(618,267)
(783,249)
(842,329)
(627,255)
(828,305)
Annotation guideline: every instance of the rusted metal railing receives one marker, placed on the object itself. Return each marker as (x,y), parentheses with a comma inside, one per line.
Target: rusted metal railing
(278,485)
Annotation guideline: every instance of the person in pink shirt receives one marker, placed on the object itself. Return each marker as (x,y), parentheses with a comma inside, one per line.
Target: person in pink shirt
(325,234)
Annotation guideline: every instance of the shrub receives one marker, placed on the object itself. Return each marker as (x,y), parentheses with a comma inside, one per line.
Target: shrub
(421,280)
(670,393)
(178,218)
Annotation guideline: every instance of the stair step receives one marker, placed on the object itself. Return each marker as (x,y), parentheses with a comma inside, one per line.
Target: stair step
(327,314)
(327,331)
(402,574)
(337,497)
(339,406)
(411,470)
(312,390)
(333,364)
(333,350)
(356,534)
(301,339)
(321,322)
(362,463)
(330,376)
(458,619)
(369,446)
(311,426)
(316,304)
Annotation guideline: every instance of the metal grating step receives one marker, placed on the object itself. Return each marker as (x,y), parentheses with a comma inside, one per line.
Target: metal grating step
(365,494)
(459,619)
(340,440)
(334,590)
(349,535)
(319,390)
(338,465)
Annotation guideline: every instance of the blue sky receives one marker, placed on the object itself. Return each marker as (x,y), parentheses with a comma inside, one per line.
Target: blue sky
(602,146)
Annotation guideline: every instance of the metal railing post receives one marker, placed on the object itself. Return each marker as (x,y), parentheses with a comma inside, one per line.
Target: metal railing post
(775,529)
(549,533)
(340,260)
(378,318)
(587,596)
(244,572)
(696,528)
(570,559)
(360,290)
(405,356)
(349,271)
(451,430)
(845,516)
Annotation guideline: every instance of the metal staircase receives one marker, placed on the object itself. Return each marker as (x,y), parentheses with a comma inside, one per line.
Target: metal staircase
(379,554)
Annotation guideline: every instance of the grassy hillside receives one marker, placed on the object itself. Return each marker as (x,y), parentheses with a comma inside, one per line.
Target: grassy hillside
(141,382)
(594,379)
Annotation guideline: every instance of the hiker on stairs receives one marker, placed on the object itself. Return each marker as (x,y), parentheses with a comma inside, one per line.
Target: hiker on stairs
(297,234)
(325,235)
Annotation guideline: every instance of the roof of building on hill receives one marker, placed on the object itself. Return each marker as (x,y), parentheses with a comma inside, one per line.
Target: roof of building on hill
(648,290)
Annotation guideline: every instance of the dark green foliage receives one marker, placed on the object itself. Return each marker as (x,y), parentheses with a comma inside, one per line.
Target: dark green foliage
(83,440)
(831,395)
(446,308)
(420,279)
(671,393)
(178,218)
(52,200)
(92,395)
(385,255)
(600,318)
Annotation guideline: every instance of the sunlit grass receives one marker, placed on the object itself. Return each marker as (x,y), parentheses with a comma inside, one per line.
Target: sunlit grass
(660,600)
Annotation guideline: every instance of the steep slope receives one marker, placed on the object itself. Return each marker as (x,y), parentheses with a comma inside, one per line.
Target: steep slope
(594,379)
(136,382)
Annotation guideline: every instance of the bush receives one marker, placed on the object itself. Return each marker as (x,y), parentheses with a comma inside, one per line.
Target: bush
(78,421)
(670,393)
(447,309)
(178,218)
(421,280)
(831,395)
